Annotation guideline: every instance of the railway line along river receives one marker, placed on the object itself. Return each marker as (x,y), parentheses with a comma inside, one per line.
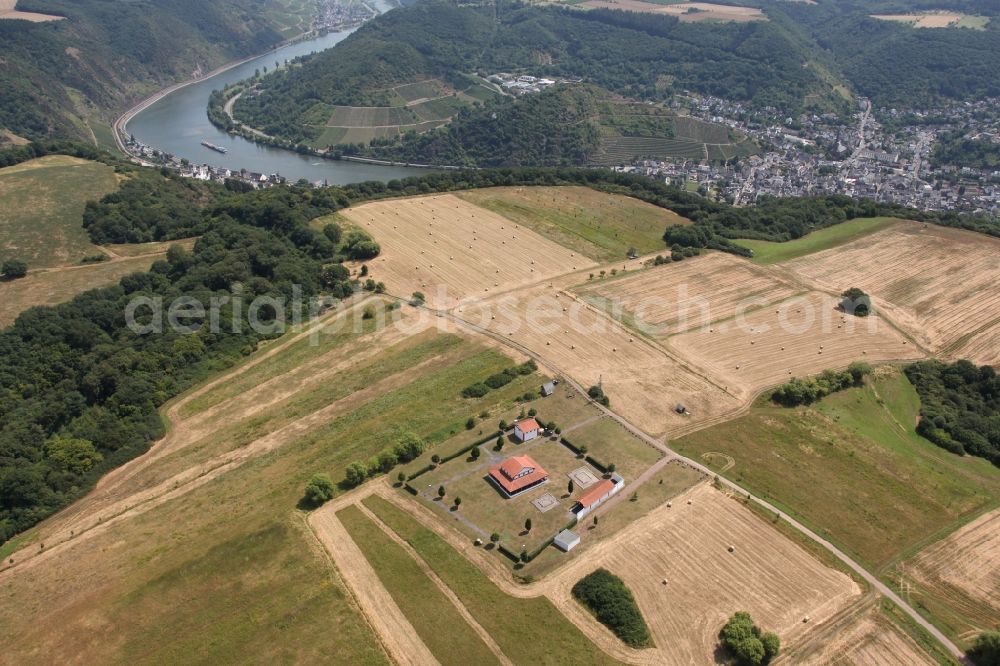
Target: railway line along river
(177,123)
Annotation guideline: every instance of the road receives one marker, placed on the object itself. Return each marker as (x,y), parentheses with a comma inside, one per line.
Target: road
(671,455)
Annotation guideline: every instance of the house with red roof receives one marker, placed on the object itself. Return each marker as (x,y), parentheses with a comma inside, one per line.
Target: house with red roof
(597,494)
(526,429)
(518,474)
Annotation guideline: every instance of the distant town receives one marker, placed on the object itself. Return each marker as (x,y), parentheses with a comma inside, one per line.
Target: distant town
(883,155)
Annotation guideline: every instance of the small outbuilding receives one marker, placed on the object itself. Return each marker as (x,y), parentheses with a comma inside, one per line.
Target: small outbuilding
(527,429)
(567,540)
(548,389)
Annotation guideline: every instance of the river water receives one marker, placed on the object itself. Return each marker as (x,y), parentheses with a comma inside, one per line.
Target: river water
(178,123)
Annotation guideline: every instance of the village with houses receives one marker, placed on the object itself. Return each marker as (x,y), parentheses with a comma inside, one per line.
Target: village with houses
(884,155)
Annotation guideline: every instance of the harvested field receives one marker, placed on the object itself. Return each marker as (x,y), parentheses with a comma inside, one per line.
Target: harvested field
(7,11)
(801,336)
(688,545)
(686,11)
(928,20)
(963,570)
(937,284)
(679,297)
(452,250)
(598,225)
(57,285)
(869,639)
(642,381)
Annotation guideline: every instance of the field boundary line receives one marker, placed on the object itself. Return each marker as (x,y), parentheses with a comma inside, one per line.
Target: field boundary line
(447,591)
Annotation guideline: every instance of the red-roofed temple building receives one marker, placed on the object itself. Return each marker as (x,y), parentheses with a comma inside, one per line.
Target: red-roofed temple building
(518,474)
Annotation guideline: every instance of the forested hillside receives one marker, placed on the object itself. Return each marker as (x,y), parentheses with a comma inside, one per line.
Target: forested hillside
(636,55)
(895,64)
(106,54)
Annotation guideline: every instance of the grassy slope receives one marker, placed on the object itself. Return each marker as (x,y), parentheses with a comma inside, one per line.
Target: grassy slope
(228,572)
(438,623)
(527,630)
(600,226)
(766,252)
(42,202)
(853,468)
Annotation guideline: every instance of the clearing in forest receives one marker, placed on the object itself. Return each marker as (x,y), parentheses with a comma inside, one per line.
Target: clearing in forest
(938,19)
(601,226)
(450,249)
(7,11)
(936,283)
(42,202)
(686,11)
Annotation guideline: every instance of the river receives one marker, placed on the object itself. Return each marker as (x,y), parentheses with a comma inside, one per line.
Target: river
(178,122)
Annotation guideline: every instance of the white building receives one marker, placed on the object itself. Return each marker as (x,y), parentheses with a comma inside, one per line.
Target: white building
(527,429)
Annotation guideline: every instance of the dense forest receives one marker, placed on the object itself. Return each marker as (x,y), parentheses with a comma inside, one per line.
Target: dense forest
(959,407)
(898,65)
(79,391)
(108,53)
(638,55)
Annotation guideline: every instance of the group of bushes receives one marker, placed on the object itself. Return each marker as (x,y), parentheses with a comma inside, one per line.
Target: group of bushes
(612,603)
(407,448)
(806,391)
(13,269)
(596,394)
(498,380)
(747,643)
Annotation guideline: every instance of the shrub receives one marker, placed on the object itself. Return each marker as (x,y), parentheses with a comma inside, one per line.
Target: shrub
(417,298)
(596,394)
(356,474)
(986,651)
(499,379)
(319,489)
(606,596)
(470,424)
(475,390)
(408,447)
(14,268)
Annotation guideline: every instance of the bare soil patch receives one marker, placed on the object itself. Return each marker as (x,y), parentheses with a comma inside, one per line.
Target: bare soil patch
(801,336)
(451,250)
(938,284)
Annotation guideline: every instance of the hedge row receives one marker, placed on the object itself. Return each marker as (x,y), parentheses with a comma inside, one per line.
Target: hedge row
(590,459)
(466,449)
(514,557)
(498,380)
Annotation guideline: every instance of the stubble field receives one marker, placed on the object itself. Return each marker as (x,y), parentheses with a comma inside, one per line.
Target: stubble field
(938,284)
(685,11)
(687,545)
(963,570)
(435,242)
(801,336)
(679,297)
(643,381)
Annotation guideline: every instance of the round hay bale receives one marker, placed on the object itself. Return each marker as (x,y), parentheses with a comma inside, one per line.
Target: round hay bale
(731,548)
